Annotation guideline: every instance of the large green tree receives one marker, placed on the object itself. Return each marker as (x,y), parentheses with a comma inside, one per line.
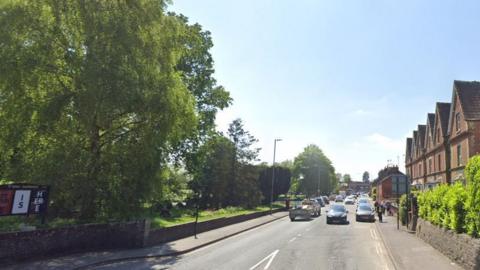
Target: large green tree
(95,96)
(314,172)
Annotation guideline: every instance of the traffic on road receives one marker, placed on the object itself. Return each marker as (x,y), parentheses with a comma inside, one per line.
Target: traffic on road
(333,240)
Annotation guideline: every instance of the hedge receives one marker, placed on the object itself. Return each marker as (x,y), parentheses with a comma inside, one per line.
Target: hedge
(455,207)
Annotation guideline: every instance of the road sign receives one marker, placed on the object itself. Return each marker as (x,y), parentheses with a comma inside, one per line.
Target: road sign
(23,199)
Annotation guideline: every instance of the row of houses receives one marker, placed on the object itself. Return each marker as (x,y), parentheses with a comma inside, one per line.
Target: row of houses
(438,151)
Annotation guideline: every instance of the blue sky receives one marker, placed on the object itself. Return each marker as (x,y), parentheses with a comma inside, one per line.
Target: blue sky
(353,77)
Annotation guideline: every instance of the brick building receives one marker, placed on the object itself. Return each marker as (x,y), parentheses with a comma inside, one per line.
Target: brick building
(390,183)
(439,152)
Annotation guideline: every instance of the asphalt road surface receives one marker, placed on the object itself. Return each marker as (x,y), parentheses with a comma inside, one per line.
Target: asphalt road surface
(285,245)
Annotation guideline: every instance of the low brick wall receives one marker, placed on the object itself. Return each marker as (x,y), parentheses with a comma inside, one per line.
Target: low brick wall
(460,248)
(17,246)
(158,236)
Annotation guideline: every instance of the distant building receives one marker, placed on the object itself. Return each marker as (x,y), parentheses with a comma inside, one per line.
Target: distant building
(358,187)
(386,183)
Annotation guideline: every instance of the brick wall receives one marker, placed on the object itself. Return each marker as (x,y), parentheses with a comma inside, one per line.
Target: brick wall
(460,248)
(46,242)
(19,246)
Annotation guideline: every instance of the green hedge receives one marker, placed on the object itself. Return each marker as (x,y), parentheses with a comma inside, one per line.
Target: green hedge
(402,209)
(455,206)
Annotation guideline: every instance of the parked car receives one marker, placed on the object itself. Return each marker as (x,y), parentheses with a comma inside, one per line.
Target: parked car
(339,199)
(332,197)
(305,210)
(365,212)
(337,214)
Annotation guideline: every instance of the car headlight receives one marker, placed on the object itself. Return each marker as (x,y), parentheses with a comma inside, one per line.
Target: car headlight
(344,214)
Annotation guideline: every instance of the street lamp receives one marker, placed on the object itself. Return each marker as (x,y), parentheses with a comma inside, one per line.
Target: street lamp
(273,172)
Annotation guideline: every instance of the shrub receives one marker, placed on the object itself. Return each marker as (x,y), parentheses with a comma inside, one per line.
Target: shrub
(403,209)
(472,205)
(455,198)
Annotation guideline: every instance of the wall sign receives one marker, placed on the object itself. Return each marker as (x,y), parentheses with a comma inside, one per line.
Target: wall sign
(23,199)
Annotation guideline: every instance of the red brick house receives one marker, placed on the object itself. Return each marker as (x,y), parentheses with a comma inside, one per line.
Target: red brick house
(418,157)
(464,126)
(438,151)
(386,183)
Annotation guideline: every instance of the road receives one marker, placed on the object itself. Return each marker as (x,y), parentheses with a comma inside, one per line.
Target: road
(285,245)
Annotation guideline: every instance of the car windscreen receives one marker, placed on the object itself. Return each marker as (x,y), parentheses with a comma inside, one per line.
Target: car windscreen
(363,201)
(364,208)
(338,208)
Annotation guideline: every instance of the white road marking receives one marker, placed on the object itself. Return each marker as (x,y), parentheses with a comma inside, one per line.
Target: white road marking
(308,229)
(293,239)
(271,256)
(373,234)
(299,235)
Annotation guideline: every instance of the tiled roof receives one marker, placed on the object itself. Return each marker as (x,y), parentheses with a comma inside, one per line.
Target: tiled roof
(431,122)
(421,135)
(409,147)
(443,109)
(469,96)
(414,142)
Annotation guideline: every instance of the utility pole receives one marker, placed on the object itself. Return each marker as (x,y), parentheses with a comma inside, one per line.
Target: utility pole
(273,173)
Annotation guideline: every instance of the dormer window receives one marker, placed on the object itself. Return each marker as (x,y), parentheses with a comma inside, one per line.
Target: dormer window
(457,121)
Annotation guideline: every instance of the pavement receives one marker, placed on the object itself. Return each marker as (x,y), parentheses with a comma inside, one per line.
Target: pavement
(277,244)
(409,251)
(91,260)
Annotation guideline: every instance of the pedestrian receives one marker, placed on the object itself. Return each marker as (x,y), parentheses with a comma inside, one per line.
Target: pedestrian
(389,206)
(379,211)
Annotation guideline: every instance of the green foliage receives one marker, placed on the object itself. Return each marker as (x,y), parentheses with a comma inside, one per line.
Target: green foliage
(347,178)
(444,206)
(472,173)
(366,177)
(313,170)
(281,185)
(224,176)
(96,97)
(403,209)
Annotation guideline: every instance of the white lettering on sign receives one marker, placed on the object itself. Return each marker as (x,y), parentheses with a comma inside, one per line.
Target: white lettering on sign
(21,202)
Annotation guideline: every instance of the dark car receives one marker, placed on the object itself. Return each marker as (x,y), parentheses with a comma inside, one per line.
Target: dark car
(320,201)
(326,200)
(337,214)
(365,212)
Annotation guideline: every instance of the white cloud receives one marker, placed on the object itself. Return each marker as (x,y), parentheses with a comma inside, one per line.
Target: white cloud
(386,143)
(361,112)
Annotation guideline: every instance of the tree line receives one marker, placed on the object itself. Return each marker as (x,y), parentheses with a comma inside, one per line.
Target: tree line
(113,104)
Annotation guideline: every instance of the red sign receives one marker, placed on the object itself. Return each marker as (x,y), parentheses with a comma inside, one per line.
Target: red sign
(6,200)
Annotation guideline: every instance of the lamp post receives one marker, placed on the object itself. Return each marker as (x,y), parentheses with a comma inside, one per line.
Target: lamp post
(273,173)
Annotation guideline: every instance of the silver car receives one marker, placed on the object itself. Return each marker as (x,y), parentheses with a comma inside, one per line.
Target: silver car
(307,209)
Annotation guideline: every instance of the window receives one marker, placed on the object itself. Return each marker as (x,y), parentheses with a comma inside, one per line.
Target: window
(459,155)
(429,165)
(457,121)
(420,169)
(438,135)
(439,162)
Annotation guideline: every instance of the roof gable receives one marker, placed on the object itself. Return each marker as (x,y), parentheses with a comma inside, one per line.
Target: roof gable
(429,129)
(421,136)
(443,112)
(469,96)
(409,148)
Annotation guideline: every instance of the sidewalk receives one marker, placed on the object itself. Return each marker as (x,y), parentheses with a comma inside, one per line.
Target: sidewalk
(175,248)
(410,252)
